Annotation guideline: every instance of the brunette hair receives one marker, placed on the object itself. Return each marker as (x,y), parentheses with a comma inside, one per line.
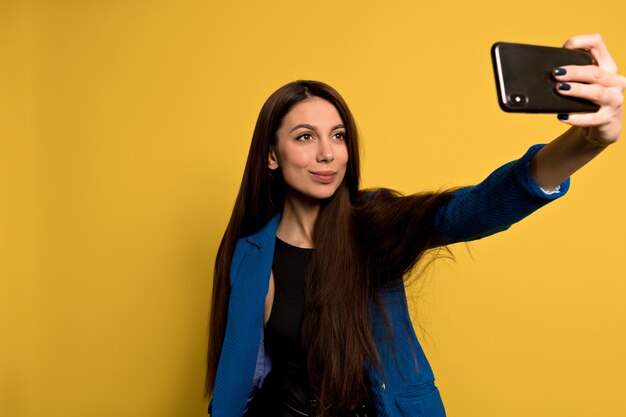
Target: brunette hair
(364,240)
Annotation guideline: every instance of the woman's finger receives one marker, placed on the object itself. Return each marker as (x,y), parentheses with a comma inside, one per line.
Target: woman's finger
(590,74)
(601,128)
(601,117)
(596,47)
(596,93)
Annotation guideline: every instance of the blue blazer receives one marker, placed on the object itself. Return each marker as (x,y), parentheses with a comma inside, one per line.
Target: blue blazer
(406,385)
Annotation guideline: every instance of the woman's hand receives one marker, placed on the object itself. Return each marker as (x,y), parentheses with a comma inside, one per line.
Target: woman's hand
(600,84)
(590,133)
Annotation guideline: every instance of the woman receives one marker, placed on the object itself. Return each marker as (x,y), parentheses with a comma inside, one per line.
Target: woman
(309,313)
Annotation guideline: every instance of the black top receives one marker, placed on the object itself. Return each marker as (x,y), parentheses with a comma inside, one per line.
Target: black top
(282,331)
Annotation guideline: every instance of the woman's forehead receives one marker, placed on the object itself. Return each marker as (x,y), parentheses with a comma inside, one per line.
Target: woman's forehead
(314,111)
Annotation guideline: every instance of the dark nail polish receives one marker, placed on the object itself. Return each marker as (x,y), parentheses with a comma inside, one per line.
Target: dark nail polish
(563,116)
(559,71)
(564,86)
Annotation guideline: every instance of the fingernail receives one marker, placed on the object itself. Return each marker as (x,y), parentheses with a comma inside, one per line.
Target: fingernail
(564,86)
(559,71)
(562,116)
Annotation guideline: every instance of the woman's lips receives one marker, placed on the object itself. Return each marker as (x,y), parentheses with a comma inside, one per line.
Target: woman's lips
(324,177)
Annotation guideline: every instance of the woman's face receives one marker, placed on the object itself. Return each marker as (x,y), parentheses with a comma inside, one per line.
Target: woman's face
(311,149)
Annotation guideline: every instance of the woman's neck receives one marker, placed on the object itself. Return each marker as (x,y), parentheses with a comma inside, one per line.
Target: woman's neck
(298,221)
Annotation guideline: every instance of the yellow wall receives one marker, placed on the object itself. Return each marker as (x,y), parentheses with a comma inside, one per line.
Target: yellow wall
(124,126)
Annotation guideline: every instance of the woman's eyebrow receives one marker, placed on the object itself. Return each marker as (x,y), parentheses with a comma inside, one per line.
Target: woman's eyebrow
(304,125)
(314,128)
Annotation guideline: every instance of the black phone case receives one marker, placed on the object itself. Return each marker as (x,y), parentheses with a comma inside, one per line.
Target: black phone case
(524,78)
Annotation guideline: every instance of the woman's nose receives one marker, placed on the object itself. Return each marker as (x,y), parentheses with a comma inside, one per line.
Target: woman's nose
(325,151)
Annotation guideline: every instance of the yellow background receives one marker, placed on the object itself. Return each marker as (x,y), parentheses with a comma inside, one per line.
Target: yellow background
(124,127)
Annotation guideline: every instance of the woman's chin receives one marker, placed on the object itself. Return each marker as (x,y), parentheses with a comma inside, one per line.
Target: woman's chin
(315,195)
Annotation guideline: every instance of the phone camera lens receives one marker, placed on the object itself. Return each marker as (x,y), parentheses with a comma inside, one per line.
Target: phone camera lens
(518,99)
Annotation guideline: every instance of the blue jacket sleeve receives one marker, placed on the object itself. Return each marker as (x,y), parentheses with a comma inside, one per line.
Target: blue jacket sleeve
(505,197)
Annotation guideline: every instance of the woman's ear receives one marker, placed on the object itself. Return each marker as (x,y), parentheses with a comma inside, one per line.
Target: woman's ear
(272,161)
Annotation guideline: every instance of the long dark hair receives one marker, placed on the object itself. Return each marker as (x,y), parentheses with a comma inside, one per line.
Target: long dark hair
(363,241)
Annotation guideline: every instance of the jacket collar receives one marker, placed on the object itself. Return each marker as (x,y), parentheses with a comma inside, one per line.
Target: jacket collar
(267,235)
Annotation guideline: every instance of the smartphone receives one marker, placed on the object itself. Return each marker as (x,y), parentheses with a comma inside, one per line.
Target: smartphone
(524,78)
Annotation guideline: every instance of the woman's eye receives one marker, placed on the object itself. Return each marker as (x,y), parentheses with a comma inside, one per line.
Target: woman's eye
(340,135)
(305,137)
